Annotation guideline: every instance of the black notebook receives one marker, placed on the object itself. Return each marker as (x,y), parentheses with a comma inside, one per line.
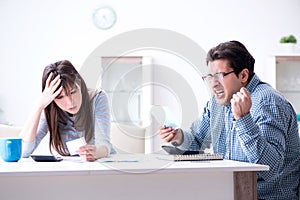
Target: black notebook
(187,155)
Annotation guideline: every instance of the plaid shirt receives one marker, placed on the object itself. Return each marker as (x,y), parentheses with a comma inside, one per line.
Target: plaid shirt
(268,135)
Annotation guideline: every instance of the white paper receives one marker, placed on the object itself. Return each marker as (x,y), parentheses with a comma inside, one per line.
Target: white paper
(170,119)
(74,145)
(163,115)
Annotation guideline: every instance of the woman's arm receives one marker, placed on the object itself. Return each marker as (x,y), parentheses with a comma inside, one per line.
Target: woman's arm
(29,130)
(102,125)
(102,146)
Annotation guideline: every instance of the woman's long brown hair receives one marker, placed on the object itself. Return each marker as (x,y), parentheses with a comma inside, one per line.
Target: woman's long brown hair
(84,121)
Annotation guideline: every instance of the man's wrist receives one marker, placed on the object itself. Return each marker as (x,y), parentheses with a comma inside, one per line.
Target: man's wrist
(178,139)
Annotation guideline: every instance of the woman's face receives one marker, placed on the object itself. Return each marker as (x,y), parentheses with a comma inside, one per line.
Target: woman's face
(70,103)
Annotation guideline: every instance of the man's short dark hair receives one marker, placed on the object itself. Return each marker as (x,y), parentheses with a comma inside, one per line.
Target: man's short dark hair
(237,55)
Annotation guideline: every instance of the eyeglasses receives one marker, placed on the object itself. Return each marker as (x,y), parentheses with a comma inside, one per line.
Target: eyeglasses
(218,76)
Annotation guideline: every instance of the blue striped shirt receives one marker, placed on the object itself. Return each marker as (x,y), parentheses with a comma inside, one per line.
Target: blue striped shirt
(267,135)
(68,132)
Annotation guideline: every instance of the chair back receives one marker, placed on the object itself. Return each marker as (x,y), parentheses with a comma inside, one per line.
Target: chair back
(9,131)
(127,138)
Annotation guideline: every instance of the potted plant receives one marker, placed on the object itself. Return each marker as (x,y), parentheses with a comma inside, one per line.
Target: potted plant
(289,42)
(288,39)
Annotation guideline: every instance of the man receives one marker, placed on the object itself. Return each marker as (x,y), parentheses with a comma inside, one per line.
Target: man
(246,120)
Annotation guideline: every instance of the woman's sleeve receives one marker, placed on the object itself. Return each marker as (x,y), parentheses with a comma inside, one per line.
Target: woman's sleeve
(102,121)
(29,147)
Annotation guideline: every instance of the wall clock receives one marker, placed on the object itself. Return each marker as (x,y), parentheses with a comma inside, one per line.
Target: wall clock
(104,17)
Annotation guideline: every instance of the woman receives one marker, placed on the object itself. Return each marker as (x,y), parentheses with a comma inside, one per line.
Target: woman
(70,112)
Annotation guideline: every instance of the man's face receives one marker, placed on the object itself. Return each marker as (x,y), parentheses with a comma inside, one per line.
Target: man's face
(223,86)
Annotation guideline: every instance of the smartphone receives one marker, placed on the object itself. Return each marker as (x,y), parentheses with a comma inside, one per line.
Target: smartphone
(176,151)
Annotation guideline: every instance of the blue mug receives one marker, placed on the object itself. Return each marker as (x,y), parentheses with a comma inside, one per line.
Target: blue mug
(11,149)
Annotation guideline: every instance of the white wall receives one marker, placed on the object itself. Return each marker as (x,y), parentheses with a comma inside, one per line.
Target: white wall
(35,33)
